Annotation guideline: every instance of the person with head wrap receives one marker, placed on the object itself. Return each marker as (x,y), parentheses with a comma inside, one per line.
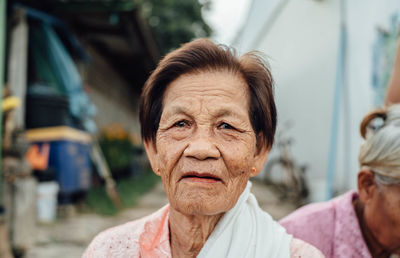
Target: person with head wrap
(364,223)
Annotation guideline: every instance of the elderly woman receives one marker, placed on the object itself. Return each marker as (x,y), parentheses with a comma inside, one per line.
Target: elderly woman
(208,121)
(367,223)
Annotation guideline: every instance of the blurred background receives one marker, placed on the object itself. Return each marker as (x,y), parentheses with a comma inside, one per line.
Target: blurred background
(71,73)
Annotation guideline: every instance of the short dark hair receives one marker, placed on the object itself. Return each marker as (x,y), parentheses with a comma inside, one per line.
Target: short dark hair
(203,55)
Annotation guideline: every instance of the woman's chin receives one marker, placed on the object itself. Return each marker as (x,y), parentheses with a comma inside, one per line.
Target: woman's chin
(201,206)
(198,210)
(202,198)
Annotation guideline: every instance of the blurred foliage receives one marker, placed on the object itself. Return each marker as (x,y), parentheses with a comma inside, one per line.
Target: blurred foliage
(174,22)
(118,146)
(383,57)
(128,189)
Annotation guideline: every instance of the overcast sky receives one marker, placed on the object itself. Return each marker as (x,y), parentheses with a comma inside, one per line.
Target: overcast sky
(226,18)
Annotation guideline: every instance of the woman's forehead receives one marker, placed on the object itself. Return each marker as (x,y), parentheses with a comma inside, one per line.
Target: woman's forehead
(217,92)
(207,84)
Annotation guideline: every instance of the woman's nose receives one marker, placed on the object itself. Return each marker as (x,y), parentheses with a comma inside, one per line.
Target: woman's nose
(202,146)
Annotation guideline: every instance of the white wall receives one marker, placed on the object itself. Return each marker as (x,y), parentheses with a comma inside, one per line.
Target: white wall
(302,45)
(260,17)
(302,40)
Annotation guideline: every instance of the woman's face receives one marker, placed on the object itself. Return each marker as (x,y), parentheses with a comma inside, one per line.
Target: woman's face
(383,216)
(205,145)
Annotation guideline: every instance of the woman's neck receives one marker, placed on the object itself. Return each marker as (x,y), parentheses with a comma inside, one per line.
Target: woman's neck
(375,248)
(188,233)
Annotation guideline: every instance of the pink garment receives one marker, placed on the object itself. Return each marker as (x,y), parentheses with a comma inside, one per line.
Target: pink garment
(145,237)
(330,226)
(149,237)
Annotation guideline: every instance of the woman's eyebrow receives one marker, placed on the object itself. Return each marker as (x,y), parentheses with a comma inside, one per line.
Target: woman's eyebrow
(223,112)
(227,112)
(179,109)
(176,110)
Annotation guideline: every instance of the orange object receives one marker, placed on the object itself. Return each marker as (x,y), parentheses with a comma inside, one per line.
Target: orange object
(38,159)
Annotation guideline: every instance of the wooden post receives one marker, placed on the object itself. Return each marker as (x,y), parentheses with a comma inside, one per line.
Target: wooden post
(2,61)
(4,237)
(17,64)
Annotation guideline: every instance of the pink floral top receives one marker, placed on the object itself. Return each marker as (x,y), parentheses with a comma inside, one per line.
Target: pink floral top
(149,237)
(330,226)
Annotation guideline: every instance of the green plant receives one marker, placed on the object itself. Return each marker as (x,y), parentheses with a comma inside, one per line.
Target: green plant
(129,191)
(174,22)
(117,152)
(118,147)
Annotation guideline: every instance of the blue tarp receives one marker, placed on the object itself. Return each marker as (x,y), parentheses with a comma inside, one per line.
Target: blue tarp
(55,66)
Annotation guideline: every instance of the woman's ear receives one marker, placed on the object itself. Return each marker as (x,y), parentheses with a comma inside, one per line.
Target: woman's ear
(259,160)
(152,154)
(367,186)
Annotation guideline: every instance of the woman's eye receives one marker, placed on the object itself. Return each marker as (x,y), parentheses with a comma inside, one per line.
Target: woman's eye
(181,124)
(225,126)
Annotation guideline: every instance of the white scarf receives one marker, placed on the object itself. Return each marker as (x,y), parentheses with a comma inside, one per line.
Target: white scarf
(247,231)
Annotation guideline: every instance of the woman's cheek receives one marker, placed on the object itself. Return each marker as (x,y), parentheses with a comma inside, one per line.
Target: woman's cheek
(170,154)
(239,167)
(177,133)
(237,154)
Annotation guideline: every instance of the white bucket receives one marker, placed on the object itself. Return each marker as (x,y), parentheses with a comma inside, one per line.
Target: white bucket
(47,201)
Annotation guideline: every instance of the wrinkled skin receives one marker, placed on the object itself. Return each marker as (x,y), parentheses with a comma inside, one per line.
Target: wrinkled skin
(380,218)
(205,152)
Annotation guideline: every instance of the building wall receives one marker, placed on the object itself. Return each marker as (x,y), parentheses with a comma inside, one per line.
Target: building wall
(302,47)
(301,39)
(113,97)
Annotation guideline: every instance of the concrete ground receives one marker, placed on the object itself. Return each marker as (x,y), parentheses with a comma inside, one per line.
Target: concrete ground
(69,237)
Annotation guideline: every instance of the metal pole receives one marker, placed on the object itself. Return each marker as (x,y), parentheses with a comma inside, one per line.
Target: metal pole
(338,94)
(2,69)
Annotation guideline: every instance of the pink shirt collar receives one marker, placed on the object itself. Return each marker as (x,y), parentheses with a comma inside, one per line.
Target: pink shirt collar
(154,240)
(348,237)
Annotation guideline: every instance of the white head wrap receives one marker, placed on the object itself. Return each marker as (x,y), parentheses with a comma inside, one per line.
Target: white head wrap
(381,149)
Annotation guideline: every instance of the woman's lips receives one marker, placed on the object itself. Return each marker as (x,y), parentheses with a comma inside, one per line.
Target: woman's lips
(201,177)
